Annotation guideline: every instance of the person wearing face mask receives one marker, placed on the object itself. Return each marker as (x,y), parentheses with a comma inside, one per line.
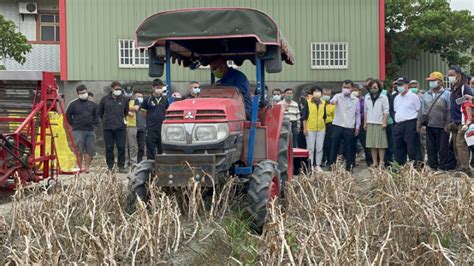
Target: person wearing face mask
(141,127)
(330,108)
(415,87)
(232,77)
(176,96)
(292,112)
(406,138)
(132,145)
(155,106)
(375,122)
(113,110)
(361,138)
(434,116)
(459,88)
(302,103)
(82,115)
(346,124)
(276,94)
(388,158)
(194,90)
(314,125)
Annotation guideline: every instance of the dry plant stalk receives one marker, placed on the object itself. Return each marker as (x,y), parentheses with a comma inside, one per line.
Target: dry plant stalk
(86,222)
(415,217)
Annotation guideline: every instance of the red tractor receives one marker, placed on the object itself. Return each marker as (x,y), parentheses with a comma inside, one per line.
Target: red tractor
(209,139)
(28,141)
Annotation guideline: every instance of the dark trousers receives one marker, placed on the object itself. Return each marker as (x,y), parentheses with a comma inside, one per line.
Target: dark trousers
(294,132)
(389,151)
(141,145)
(437,145)
(115,137)
(362,138)
(406,141)
(301,140)
(327,144)
(348,136)
(153,143)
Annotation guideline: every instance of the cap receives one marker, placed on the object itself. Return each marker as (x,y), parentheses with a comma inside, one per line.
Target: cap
(414,81)
(435,76)
(158,82)
(128,89)
(403,80)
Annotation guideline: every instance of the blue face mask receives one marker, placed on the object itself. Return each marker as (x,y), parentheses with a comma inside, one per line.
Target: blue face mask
(400,89)
(414,90)
(433,84)
(326,98)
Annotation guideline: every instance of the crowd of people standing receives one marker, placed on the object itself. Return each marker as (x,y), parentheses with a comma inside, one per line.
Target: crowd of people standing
(393,122)
(387,122)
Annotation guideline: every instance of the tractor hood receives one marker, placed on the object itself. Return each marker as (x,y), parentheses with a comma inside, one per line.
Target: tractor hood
(203,110)
(214,104)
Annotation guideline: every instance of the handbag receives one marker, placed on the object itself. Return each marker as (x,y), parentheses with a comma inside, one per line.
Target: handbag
(425,118)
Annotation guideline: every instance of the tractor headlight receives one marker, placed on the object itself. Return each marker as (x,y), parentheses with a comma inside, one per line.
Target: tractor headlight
(173,133)
(210,132)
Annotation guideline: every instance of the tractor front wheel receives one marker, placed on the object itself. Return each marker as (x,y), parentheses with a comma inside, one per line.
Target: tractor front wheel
(138,182)
(263,187)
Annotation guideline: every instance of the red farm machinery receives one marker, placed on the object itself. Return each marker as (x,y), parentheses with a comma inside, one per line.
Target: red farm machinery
(32,133)
(211,138)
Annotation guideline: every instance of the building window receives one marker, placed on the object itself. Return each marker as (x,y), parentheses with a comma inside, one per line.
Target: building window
(130,57)
(48,28)
(329,55)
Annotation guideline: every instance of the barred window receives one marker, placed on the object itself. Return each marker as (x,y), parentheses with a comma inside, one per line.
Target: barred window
(329,55)
(48,28)
(130,57)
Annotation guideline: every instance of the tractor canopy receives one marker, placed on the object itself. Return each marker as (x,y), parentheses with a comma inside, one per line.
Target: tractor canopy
(197,35)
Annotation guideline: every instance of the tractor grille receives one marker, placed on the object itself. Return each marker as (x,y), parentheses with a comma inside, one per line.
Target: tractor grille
(210,115)
(200,115)
(174,115)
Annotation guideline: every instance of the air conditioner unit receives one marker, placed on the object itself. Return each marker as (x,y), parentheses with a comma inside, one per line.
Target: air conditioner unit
(28,7)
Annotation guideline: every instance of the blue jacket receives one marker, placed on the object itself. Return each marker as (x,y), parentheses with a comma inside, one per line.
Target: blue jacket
(238,79)
(456,115)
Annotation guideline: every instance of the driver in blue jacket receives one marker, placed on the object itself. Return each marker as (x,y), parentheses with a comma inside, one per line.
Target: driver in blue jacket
(232,77)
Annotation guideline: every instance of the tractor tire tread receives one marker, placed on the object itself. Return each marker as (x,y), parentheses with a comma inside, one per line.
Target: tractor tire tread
(137,184)
(259,191)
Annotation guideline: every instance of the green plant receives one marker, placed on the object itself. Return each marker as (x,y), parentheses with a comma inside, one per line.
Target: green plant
(13,44)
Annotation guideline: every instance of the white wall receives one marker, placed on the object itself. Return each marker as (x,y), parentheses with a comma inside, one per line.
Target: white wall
(42,56)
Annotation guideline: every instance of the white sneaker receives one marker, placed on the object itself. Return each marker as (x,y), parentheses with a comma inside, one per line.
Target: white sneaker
(318,169)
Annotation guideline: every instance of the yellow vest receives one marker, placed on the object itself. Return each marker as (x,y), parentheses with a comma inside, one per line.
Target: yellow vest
(330,109)
(316,116)
(131,120)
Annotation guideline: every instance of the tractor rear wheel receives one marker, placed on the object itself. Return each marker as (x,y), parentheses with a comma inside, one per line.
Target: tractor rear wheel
(263,187)
(138,183)
(283,156)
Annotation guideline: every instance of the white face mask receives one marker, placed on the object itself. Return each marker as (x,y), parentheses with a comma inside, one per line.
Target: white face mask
(276,98)
(452,79)
(433,84)
(346,91)
(140,99)
(117,92)
(83,96)
(196,90)
(355,93)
